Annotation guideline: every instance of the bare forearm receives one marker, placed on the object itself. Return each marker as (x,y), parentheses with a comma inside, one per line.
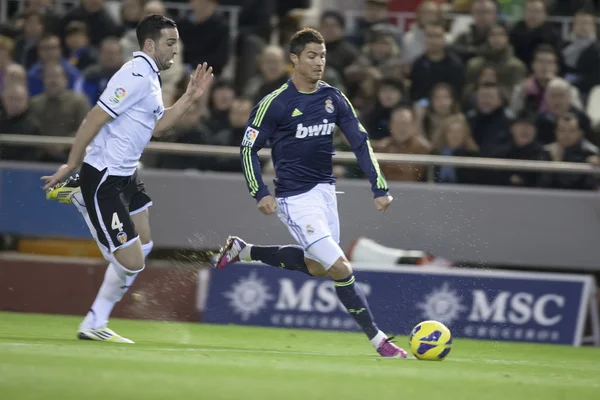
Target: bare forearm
(88,129)
(173,114)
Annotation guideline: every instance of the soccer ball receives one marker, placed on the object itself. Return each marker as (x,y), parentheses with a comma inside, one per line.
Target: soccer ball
(430,340)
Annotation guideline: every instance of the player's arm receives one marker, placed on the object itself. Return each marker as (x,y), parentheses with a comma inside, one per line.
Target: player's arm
(121,93)
(259,129)
(197,85)
(359,141)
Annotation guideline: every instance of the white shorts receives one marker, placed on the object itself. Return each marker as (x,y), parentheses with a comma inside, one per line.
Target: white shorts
(311,217)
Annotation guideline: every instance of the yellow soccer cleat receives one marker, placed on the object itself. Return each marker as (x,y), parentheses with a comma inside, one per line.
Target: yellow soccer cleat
(103,335)
(63,192)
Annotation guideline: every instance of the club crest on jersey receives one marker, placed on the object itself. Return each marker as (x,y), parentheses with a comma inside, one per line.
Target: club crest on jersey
(329,106)
(323,129)
(117,96)
(250,137)
(122,237)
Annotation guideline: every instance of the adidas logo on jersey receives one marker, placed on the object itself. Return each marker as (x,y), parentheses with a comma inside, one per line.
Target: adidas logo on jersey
(315,130)
(296,113)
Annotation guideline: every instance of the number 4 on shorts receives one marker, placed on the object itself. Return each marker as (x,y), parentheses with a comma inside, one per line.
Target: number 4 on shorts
(116,223)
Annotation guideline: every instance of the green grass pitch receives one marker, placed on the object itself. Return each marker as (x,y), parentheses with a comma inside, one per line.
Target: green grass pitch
(40,359)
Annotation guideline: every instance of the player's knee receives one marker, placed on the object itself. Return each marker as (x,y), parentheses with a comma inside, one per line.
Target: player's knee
(341,269)
(131,258)
(315,268)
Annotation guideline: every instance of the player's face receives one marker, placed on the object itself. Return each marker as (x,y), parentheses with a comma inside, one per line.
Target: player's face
(166,48)
(311,62)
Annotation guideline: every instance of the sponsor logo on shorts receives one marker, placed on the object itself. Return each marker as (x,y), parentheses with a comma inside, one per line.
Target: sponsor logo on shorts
(250,137)
(122,237)
(310,230)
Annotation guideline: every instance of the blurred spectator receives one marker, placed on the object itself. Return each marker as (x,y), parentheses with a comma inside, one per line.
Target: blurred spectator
(389,95)
(51,20)
(524,146)
(488,74)
(530,94)
(26,52)
(99,21)
(6,50)
(413,43)
(375,12)
(170,77)
(15,74)
(490,121)
(206,34)
(435,66)
(559,103)
(255,17)
(219,103)
(498,53)
(406,138)
(16,118)
(59,110)
(581,55)
(532,31)
(81,54)
(340,52)
(468,44)
(49,52)
(131,14)
(568,8)
(95,78)
(454,139)
(233,134)
(441,106)
(380,45)
(570,146)
(273,74)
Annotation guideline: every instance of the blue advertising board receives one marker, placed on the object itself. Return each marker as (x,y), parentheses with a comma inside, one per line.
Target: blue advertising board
(494,305)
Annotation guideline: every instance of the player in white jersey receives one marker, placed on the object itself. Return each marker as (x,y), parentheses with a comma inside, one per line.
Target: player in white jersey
(108,192)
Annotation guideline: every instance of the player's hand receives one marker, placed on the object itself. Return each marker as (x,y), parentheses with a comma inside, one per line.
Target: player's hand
(61,173)
(199,81)
(267,205)
(382,203)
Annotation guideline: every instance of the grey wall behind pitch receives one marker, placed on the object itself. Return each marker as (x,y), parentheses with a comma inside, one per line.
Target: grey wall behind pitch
(533,227)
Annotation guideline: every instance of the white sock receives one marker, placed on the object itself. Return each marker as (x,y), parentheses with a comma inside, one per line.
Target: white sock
(377,339)
(112,290)
(245,254)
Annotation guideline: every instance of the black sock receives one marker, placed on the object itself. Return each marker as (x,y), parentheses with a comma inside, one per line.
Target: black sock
(289,257)
(353,298)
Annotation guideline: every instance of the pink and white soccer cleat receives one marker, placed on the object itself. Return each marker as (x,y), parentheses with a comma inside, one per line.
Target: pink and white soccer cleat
(229,254)
(388,349)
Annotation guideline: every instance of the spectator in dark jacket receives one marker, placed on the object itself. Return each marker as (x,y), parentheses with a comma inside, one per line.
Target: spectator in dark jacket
(570,146)
(581,56)
(485,15)
(490,121)
(435,66)
(16,118)
(524,146)
(532,31)
(95,78)
(559,102)
(99,22)
(205,35)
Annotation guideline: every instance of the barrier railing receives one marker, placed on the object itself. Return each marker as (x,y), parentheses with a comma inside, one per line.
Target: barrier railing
(342,157)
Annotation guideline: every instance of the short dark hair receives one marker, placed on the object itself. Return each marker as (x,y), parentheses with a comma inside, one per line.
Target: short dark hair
(544,48)
(304,37)
(76,27)
(150,27)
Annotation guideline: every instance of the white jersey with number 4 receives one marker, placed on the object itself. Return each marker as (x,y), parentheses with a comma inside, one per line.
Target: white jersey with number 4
(133,98)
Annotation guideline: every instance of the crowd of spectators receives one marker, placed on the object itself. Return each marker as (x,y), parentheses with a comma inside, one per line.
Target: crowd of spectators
(482,85)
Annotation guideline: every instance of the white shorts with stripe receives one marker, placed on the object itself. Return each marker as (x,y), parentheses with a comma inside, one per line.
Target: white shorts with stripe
(312,216)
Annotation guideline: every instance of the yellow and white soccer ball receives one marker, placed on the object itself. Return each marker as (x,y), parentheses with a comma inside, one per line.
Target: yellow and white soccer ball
(431,341)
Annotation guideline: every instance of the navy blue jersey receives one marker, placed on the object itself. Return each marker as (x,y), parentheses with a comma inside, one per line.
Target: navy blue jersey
(299,127)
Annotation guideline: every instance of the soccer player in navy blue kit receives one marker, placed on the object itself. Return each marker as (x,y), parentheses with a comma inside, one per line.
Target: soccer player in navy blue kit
(299,119)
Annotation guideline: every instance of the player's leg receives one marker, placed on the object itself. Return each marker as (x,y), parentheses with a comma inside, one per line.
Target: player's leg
(120,243)
(290,257)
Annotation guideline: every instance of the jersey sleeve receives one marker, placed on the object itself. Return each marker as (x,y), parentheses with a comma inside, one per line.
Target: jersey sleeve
(260,127)
(359,141)
(123,90)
